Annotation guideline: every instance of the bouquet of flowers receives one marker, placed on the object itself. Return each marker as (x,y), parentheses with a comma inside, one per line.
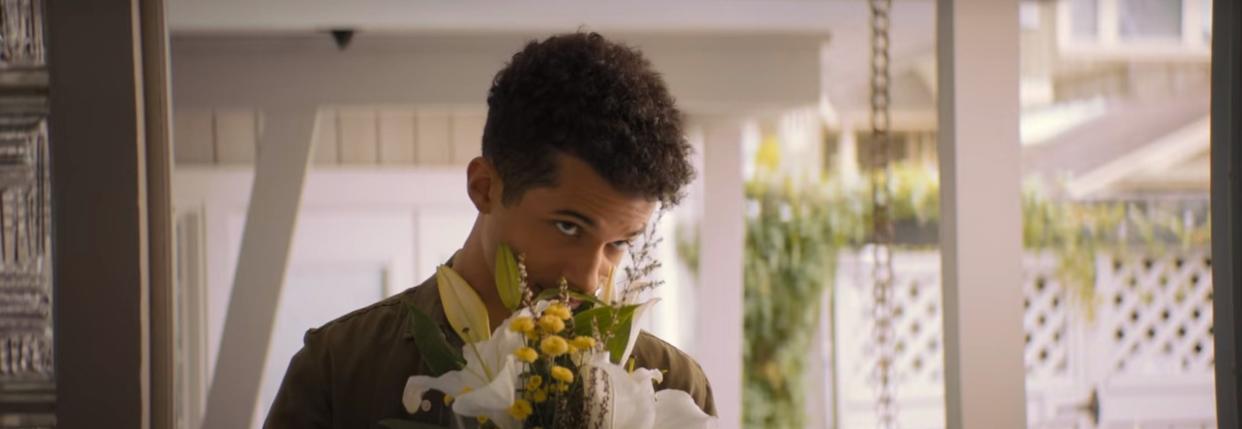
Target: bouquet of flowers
(546,366)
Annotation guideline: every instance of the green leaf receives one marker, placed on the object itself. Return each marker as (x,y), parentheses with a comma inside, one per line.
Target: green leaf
(434,348)
(621,332)
(613,322)
(552,293)
(547,294)
(587,298)
(586,321)
(407,424)
(508,280)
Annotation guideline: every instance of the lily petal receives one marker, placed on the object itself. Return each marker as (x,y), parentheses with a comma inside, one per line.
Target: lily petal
(492,400)
(462,306)
(484,361)
(451,382)
(675,409)
(492,353)
(608,286)
(631,395)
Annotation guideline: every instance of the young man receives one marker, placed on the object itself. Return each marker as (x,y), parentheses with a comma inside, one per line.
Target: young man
(581,145)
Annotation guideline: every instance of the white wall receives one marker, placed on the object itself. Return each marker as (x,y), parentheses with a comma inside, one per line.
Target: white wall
(354,224)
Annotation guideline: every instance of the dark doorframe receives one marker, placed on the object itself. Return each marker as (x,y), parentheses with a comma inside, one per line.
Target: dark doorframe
(1226,207)
(109,168)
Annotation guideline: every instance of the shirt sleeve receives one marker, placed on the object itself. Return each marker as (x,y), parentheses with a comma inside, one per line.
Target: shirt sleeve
(303,400)
(702,391)
(681,371)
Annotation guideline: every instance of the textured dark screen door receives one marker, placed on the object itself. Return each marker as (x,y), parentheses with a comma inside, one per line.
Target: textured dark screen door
(27,383)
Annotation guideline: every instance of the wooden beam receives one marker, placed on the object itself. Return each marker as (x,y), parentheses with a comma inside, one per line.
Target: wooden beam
(981,240)
(283,157)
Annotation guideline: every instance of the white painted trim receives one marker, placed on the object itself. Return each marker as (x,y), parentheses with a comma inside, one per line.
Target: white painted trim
(783,16)
(1108,45)
(280,173)
(981,240)
(763,72)
(191,319)
(722,236)
(328,187)
(1163,153)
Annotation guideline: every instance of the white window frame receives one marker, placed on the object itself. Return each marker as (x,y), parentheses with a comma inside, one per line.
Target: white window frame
(1108,44)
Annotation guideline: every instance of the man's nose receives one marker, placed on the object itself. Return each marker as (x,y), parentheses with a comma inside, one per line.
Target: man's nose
(584,273)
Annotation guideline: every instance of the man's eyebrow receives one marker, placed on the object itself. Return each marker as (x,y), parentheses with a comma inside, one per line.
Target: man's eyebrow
(590,223)
(579,216)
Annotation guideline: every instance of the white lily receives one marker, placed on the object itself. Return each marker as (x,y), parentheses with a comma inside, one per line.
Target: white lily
(633,403)
(485,387)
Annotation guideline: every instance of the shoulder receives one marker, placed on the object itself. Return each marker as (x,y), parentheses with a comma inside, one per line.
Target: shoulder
(362,321)
(681,371)
(381,325)
(310,386)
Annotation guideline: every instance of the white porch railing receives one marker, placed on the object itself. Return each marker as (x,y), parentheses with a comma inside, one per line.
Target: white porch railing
(1139,355)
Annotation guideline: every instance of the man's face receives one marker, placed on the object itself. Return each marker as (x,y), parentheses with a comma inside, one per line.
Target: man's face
(578,229)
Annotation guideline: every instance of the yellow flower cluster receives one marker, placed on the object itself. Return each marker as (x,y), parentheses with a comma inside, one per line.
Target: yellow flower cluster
(535,389)
(551,324)
(562,374)
(547,341)
(558,310)
(534,382)
(583,343)
(526,354)
(554,346)
(522,325)
(520,409)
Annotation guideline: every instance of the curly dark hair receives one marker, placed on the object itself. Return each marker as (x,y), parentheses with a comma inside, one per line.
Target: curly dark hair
(599,101)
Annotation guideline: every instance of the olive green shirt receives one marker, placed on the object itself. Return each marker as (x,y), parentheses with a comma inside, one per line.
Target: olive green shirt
(351,372)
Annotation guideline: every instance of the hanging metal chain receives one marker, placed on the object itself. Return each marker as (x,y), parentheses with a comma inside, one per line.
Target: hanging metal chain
(881,150)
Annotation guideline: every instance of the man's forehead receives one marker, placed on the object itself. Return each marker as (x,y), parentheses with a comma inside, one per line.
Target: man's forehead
(598,203)
(616,209)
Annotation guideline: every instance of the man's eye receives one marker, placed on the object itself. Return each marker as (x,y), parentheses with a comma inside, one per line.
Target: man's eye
(621,244)
(567,228)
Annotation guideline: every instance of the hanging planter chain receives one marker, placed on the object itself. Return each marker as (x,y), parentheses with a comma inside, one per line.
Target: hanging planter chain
(881,151)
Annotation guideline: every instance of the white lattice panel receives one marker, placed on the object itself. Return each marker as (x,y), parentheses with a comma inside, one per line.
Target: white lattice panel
(1157,314)
(1053,322)
(919,361)
(1046,319)
(1148,342)
(1152,345)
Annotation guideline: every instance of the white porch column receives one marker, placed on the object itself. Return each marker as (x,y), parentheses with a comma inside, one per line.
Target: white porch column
(283,156)
(723,243)
(981,241)
(847,152)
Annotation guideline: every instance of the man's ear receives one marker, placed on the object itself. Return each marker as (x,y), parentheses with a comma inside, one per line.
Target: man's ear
(483,185)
